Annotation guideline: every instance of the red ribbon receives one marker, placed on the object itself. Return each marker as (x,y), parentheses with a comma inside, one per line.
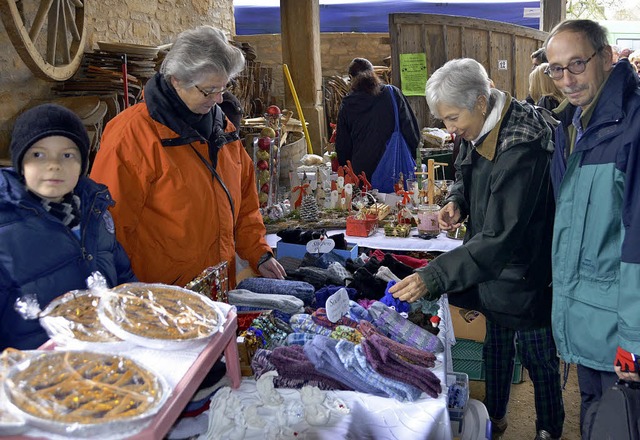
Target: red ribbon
(303,191)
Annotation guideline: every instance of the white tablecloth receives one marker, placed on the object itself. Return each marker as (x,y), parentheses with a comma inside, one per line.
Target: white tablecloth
(442,243)
(369,417)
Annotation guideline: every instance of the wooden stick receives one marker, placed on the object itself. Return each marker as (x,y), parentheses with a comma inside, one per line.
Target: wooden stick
(298,107)
(430,181)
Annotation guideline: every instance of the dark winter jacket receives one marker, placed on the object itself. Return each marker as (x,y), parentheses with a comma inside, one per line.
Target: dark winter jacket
(365,124)
(40,255)
(503,185)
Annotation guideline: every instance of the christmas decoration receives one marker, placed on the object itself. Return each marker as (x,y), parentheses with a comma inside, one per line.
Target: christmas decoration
(309,209)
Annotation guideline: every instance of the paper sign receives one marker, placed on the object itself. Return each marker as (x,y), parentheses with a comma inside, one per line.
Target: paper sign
(320,246)
(337,305)
(413,73)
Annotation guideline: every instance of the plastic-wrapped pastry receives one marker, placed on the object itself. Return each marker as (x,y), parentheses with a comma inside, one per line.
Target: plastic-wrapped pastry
(80,392)
(158,315)
(74,316)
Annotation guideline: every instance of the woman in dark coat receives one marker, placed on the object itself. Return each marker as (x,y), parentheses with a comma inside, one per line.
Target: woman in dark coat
(503,187)
(366,119)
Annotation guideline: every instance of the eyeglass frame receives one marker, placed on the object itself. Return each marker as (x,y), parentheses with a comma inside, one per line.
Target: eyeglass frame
(548,72)
(212,92)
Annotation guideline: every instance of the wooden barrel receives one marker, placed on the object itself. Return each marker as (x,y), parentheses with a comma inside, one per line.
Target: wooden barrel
(290,155)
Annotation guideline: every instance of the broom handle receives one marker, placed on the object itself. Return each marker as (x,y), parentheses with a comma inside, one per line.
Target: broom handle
(295,99)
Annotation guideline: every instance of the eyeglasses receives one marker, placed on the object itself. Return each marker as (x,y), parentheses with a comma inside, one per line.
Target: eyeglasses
(576,67)
(214,91)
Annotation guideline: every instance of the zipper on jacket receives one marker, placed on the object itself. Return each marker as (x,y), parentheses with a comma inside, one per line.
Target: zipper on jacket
(84,220)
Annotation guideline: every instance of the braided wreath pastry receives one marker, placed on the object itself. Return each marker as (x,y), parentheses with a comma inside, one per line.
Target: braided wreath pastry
(159,311)
(75,314)
(83,387)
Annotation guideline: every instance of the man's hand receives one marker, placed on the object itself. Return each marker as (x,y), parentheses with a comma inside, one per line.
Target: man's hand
(449,217)
(272,269)
(410,289)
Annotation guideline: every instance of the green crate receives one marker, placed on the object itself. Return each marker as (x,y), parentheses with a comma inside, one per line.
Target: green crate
(467,358)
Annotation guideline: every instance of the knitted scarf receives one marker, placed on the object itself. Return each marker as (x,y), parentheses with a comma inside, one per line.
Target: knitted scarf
(67,210)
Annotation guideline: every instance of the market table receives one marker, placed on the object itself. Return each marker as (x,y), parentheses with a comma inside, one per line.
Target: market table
(184,370)
(378,240)
(369,416)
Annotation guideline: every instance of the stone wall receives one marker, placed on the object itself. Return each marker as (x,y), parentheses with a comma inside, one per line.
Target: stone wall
(337,51)
(151,22)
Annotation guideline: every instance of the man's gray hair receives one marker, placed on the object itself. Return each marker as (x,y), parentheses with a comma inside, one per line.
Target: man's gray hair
(202,51)
(458,83)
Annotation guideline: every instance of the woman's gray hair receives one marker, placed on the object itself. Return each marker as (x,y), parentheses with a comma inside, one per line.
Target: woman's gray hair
(202,51)
(458,83)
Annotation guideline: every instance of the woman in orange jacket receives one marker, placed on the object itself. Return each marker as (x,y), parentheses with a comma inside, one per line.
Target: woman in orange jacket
(184,186)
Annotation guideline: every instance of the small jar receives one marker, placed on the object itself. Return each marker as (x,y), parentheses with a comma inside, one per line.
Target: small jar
(428,219)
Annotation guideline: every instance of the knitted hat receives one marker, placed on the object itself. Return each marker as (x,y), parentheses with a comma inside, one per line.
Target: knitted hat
(44,121)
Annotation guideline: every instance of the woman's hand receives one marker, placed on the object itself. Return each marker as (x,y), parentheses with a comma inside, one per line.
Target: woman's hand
(272,269)
(410,289)
(449,217)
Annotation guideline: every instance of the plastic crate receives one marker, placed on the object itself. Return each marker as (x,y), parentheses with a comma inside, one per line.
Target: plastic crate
(467,357)
(456,414)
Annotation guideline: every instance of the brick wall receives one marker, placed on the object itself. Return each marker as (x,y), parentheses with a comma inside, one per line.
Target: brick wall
(337,51)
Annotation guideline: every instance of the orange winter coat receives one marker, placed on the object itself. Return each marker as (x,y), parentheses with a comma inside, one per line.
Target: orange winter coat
(172,216)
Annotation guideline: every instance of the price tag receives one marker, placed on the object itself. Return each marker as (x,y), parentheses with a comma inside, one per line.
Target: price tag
(337,305)
(320,246)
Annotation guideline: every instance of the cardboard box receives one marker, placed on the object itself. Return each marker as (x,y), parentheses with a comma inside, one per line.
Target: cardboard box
(298,250)
(474,330)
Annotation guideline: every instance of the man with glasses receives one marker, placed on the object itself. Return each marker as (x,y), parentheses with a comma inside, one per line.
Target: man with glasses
(596,237)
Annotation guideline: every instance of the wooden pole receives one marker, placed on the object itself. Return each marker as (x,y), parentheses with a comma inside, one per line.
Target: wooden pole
(430,180)
(298,107)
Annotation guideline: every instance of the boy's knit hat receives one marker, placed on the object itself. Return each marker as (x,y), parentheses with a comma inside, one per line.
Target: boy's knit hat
(43,121)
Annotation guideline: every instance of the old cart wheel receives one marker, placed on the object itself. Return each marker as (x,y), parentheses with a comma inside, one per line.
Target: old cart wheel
(49,35)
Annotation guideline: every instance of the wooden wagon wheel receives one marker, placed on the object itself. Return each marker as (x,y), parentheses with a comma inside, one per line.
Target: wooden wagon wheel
(49,35)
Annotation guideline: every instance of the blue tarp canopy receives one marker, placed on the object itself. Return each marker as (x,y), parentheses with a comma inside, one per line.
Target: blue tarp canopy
(263,17)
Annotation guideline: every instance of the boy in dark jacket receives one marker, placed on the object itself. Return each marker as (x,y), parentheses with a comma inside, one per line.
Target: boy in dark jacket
(55,229)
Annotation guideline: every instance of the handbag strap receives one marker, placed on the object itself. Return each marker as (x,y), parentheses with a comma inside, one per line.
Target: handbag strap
(395,107)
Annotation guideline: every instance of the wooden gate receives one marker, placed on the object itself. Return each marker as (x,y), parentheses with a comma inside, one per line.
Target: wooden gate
(503,49)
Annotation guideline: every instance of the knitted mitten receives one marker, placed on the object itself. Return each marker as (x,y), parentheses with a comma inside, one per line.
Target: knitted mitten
(394,303)
(384,273)
(299,289)
(402,330)
(320,318)
(382,361)
(326,291)
(369,286)
(322,353)
(412,262)
(358,313)
(302,323)
(398,268)
(286,303)
(338,271)
(292,362)
(354,360)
